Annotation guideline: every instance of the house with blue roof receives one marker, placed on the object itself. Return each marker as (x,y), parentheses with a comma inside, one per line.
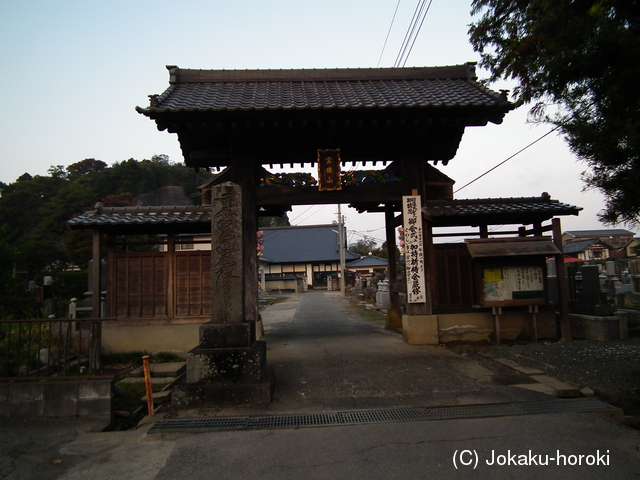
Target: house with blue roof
(295,258)
(368,267)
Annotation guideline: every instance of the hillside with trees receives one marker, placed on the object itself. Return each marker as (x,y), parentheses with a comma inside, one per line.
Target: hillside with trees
(34,237)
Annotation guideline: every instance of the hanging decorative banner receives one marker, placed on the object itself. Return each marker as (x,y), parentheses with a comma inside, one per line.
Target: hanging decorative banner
(329,170)
(413,244)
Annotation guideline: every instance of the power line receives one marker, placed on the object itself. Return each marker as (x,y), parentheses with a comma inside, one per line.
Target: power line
(413,30)
(506,160)
(390,26)
(416,35)
(320,207)
(407,34)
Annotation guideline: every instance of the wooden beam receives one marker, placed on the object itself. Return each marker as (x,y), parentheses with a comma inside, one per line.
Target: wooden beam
(381,193)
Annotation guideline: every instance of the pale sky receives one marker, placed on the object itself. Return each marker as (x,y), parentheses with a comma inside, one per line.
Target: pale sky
(74,71)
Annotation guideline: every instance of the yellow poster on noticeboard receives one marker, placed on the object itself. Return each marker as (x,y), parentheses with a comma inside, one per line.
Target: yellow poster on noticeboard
(493,275)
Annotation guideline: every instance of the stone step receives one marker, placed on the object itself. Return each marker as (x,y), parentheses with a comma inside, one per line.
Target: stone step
(537,387)
(562,389)
(515,366)
(153,380)
(161,370)
(159,397)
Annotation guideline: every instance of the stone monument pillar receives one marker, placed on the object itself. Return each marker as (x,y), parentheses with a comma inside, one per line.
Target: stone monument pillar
(229,365)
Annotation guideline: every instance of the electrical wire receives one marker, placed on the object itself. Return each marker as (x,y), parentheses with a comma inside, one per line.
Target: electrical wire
(388,33)
(407,34)
(413,30)
(416,35)
(509,158)
(320,207)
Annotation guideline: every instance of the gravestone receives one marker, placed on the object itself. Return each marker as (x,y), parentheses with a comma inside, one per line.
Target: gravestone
(229,366)
(589,297)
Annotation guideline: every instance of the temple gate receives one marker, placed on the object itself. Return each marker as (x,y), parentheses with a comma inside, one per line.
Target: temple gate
(241,123)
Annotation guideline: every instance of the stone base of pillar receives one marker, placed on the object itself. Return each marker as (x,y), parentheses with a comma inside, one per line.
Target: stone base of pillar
(229,367)
(420,329)
(210,395)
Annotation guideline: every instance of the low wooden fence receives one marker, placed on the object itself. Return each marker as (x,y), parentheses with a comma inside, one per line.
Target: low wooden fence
(40,349)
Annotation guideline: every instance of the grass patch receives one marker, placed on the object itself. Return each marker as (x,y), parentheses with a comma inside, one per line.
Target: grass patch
(367,314)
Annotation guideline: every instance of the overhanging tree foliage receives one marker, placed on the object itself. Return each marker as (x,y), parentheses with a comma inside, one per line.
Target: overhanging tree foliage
(582,57)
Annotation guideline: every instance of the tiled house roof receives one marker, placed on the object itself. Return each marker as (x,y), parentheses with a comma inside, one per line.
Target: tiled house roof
(368,261)
(442,213)
(318,243)
(496,210)
(323,89)
(579,246)
(156,218)
(599,233)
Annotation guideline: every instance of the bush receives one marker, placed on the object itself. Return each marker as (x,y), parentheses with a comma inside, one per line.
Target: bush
(67,285)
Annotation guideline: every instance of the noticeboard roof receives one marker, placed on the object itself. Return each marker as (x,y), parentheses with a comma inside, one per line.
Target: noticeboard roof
(511,247)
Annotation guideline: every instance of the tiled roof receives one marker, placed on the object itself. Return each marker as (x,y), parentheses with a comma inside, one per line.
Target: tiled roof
(256,90)
(368,261)
(130,216)
(510,247)
(317,243)
(600,233)
(578,246)
(508,210)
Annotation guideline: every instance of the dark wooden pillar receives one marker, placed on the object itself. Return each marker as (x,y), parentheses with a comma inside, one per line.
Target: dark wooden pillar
(96,303)
(96,276)
(413,184)
(429,269)
(171,275)
(537,229)
(394,316)
(565,326)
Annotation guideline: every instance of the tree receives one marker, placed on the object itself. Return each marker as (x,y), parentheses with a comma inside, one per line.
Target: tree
(34,210)
(282,221)
(363,246)
(85,167)
(583,58)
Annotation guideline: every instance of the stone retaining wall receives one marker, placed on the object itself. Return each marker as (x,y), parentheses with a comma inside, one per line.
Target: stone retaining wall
(81,398)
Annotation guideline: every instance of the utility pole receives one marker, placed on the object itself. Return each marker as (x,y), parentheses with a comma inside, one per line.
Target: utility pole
(341,240)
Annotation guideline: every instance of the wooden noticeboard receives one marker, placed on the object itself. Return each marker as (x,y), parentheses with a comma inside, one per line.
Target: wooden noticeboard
(506,284)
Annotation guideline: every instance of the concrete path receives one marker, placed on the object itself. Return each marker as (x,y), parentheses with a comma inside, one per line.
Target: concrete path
(328,358)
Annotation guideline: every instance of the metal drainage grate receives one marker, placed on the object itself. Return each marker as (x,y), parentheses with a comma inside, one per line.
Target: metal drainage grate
(360,417)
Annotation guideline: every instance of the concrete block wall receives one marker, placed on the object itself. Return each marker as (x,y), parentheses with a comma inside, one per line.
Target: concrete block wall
(81,398)
(150,338)
(476,327)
